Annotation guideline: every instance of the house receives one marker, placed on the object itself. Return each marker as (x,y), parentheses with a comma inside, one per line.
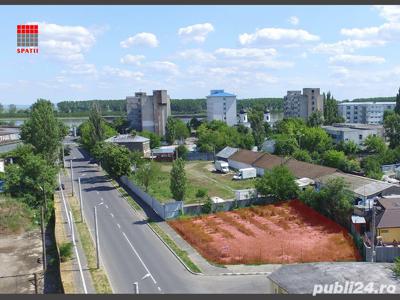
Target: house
(133,143)
(388,219)
(333,277)
(164,153)
(225,153)
(243,159)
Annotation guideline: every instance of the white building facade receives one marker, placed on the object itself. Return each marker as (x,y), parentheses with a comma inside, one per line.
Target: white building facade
(221,106)
(364,112)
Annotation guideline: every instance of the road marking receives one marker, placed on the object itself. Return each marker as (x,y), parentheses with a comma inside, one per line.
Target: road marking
(112,216)
(119,226)
(106,205)
(101,199)
(159,288)
(137,254)
(97,192)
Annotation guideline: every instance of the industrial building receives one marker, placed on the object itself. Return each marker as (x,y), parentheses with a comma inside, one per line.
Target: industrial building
(357,133)
(298,105)
(149,112)
(133,143)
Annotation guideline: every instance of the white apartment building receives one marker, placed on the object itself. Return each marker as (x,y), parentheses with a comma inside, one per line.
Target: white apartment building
(221,106)
(364,112)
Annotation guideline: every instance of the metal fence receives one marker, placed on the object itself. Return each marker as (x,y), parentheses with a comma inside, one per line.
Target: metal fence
(389,168)
(200,156)
(382,253)
(164,210)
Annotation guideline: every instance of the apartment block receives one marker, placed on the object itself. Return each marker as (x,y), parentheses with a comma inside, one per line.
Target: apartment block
(364,112)
(221,106)
(302,105)
(149,112)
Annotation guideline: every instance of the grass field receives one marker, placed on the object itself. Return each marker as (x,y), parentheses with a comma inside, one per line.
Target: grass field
(200,175)
(286,232)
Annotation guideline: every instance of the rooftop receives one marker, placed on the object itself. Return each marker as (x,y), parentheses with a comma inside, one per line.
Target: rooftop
(390,217)
(227,152)
(301,278)
(246,156)
(360,103)
(127,138)
(351,127)
(220,93)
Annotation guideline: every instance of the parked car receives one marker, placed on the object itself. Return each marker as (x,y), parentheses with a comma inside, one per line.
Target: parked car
(245,173)
(62,186)
(222,166)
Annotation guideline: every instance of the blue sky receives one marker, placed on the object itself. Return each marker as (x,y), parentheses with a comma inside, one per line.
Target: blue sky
(109,52)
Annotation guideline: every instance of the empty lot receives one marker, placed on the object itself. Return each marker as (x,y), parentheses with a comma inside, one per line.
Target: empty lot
(286,232)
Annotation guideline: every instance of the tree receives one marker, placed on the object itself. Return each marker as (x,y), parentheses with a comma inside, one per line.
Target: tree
(375,144)
(335,159)
(116,160)
(397,107)
(331,113)
(302,155)
(96,123)
(372,167)
(392,128)
(120,124)
(171,130)
(155,139)
(1,108)
(315,139)
(194,123)
(348,147)
(178,180)
(396,267)
(278,183)
(285,144)
(43,130)
(256,119)
(182,151)
(85,131)
(315,119)
(146,173)
(12,109)
(181,130)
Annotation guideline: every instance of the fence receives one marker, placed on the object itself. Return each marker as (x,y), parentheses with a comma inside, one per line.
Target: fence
(195,209)
(22,284)
(382,253)
(164,210)
(389,168)
(200,156)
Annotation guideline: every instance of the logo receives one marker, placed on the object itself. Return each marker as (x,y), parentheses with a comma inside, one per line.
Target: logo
(27,38)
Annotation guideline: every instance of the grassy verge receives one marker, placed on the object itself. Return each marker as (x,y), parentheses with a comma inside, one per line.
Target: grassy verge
(100,280)
(165,237)
(181,253)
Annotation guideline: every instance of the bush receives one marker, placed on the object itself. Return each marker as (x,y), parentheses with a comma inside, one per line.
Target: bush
(396,268)
(65,251)
(207,207)
(201,193)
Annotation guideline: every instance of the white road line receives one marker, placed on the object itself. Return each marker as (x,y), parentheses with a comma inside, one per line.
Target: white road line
(112,215)
(119,226)
(137,254)
(159,288)
(106,206)
(101,199)
(97,192)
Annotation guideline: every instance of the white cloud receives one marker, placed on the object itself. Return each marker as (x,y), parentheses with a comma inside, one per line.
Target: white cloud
(123,73)
(294,20)
(389,12)
(346,46)
(356,59)
(164,66)
(82,69)
(132,59)
(76,86)
(386,32)
(197,33)
(271,35)
(141,39)
(67,43)
(197,55)
(246,52)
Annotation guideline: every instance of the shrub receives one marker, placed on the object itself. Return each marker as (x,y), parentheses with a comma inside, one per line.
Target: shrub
(396,268)
(207,207)
(201,193)
(65,251)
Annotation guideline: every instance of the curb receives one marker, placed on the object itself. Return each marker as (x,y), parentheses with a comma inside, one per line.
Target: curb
(249,273)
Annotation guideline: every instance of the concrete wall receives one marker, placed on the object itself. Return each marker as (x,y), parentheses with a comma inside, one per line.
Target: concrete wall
(164,210)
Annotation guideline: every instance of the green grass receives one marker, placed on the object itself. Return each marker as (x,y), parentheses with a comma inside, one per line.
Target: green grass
(66,251)
(181,253)
(15,216)
(198,176)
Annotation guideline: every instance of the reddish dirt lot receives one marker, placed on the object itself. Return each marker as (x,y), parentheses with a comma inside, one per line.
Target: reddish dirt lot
(286,232)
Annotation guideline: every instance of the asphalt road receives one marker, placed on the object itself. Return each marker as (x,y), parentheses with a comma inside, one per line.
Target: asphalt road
(130,251)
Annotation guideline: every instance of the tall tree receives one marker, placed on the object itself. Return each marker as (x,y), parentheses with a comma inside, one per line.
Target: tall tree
(43,130)
(256,119)
(146,173)
(178,180)
(397,107)
(331,112)
(96,124)
(391,124)
(315,119)
(171,130)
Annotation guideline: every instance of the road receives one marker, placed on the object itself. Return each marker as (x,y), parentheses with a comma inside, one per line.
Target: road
(129,250)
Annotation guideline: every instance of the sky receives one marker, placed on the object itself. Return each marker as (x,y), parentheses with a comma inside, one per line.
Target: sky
(110,52)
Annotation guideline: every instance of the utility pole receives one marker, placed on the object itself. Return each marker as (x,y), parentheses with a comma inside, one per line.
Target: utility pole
(80,198)
(97,237)
(72,178)
(373,234)
(63,155)
(44,259)
(136,287)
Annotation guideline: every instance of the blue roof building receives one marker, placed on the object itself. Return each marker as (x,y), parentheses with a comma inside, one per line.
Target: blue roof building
(221,106)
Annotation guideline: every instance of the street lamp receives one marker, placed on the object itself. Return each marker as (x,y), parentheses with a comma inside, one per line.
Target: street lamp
(136,284)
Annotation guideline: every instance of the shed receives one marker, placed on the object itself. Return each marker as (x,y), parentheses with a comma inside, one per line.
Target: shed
(225,153)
